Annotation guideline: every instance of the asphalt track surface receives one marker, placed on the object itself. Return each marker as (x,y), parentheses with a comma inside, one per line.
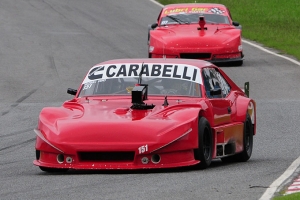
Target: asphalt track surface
(47,46)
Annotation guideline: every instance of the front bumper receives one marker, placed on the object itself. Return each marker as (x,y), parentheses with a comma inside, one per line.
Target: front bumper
(141,161)
(226,60)
(213,58)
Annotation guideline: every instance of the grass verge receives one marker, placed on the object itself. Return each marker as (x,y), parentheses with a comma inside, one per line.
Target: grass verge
(295,196)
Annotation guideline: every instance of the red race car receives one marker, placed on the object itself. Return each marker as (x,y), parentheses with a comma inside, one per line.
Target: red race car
(148,113)
(196,31)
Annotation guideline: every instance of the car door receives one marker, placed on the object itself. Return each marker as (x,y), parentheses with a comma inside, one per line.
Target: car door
(217,91)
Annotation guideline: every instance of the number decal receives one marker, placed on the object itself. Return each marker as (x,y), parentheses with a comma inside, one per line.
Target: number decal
(143,149)
(88,85)
(164,22)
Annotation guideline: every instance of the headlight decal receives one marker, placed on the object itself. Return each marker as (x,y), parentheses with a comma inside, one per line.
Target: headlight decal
(40,135)
(184,134)
(240,48)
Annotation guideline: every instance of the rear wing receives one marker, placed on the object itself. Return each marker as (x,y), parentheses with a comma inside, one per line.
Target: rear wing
(246,88)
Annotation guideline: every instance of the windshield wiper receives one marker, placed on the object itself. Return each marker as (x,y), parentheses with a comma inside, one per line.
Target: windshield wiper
(177,20)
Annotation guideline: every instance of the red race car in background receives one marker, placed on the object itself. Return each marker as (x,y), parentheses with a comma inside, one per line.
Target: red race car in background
(196,31)
(148,113)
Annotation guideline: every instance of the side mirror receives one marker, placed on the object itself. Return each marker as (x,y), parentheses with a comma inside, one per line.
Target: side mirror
(235,23)
(153,26)
(72,91)
(216,91)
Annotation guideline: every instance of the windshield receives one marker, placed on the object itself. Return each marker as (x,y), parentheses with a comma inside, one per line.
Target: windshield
(187,18)
(156,86)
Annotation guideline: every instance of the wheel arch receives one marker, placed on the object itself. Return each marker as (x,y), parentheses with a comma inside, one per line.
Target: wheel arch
(246,105)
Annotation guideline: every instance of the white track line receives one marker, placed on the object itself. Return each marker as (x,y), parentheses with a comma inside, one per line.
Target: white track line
(278,182)
(270,52)
(157,3)
(292,168)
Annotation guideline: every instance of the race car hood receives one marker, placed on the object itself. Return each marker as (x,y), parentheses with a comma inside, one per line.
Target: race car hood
(107,123)
(188,36)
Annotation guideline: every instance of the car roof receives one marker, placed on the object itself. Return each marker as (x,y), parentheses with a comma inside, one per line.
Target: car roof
(193,62)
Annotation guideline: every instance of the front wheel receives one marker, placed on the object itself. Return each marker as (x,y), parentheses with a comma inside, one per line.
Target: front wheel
(205,143)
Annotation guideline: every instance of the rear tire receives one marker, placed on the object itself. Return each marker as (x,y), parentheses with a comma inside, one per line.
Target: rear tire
(205,143)
(247,141)
(247,144)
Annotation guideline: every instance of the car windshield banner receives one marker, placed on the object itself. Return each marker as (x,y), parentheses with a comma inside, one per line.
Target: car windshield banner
(166,70)
(181,10)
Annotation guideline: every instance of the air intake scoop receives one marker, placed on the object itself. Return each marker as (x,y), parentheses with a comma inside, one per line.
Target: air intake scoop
(202,23)
(138,95)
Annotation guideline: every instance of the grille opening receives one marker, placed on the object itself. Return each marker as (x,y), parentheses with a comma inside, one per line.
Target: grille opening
(220,150)
(195,55)
(37,154)
(106,156)
(229,148)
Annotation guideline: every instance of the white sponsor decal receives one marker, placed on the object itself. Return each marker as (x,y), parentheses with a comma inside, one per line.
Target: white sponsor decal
(143,149)
(88,85)
(223,84)
(176,71)
(164,22)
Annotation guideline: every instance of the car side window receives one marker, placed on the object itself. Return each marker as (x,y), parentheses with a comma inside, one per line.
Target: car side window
(214,81)
(223,83)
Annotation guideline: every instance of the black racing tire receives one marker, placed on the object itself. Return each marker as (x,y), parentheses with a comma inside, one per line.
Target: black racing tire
(205,144)
(53,170)
(247,144)
(149,55)
(247,141)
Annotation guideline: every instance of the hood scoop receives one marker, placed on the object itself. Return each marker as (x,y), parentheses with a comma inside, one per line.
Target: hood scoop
(138,95)
(202,23)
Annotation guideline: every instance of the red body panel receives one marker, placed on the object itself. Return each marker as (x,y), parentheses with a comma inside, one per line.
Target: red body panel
(105,132)
(217,42)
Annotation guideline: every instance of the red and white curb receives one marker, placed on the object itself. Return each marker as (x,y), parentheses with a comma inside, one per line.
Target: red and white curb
(294,187)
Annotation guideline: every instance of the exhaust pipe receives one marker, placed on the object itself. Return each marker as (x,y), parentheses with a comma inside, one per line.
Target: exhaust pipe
(155,158)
